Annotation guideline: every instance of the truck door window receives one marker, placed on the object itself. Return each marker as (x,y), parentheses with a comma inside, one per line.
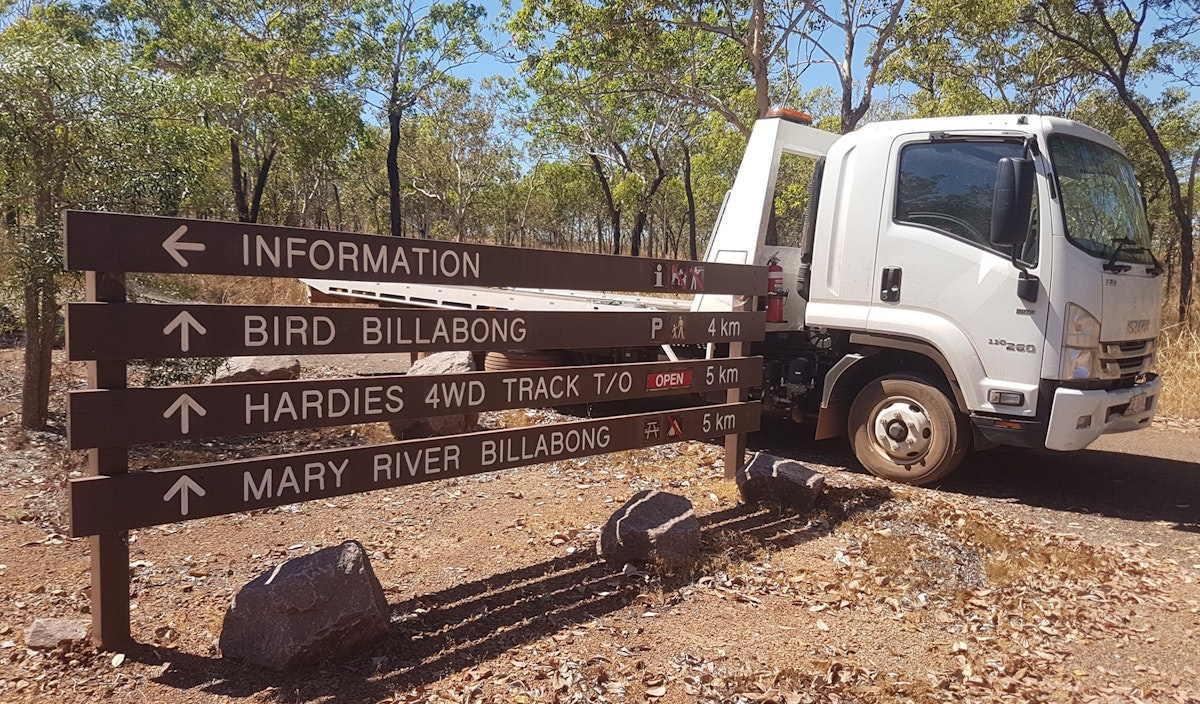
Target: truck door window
(948,187)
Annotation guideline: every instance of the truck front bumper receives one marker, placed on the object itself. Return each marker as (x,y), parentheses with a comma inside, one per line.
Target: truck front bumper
(1078,417)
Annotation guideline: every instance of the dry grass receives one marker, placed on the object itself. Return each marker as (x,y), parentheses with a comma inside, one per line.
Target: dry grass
(1178,362)
(210,288)
(239,290)
(728,551)
(938,546)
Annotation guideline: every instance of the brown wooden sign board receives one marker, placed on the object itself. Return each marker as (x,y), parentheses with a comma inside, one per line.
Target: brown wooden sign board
(104,504)
(122,417)
(118,242)
(114,331)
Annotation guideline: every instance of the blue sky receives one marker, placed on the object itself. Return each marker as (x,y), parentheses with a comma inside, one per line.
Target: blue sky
(814,77)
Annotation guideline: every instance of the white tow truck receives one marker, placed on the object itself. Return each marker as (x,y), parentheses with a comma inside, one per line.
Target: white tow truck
(961,283)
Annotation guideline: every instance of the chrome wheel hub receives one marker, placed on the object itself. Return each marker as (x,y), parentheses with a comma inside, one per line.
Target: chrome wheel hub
(903,430)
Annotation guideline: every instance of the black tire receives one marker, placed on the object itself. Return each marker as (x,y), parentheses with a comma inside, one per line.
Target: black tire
(906,429)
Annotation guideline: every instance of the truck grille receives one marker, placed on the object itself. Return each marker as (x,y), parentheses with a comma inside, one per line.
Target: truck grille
(1128,359)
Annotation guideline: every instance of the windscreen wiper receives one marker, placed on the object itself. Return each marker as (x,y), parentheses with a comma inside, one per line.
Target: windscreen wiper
(1123,245)
(1156,269)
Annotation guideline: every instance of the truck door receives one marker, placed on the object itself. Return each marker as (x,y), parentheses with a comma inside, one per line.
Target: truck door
(939,279)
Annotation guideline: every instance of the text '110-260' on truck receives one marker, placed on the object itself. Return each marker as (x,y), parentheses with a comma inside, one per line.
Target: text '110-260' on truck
(958,283)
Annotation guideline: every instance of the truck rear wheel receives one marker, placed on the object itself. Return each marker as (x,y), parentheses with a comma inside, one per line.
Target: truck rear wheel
(906,429)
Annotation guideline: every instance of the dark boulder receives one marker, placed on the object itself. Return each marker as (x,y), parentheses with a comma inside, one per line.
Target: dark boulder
(262,368)
(652,526)
(434,426)
(323,606)
(770,479)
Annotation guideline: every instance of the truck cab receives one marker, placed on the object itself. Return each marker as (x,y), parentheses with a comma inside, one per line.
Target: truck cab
(960,283)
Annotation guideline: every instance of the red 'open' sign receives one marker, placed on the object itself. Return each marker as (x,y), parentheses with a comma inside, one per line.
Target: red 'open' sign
(661,381)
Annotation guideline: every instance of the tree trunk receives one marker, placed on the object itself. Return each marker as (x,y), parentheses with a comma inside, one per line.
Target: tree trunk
(33,413)
(614,214)
(1117,76)
(1170,265)
(1193,227)
(639,223)
(260,184)
(393,173)
(337,208)
(40,295)
(756,47)
(1179,209)
(635,240)
(691,202)
(41,328)
(238,180)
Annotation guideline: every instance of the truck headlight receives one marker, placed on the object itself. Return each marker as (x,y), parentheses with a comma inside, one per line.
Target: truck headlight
(1082,330)
(1081,344)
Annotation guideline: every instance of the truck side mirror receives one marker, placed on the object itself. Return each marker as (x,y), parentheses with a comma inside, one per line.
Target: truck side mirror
(1012,201)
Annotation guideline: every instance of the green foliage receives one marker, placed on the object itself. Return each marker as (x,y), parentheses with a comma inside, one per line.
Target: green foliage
(401,51)
(398,54)
(977,58)
(455,156)
(1116,45)
(265,78)
(336,112)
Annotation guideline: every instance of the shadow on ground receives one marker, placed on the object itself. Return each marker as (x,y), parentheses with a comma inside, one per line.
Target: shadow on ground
(1095,482)
(456,628)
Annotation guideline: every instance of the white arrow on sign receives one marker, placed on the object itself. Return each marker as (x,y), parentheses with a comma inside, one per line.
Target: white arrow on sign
(184,404)
(181,487)
(185,322)
(174,246)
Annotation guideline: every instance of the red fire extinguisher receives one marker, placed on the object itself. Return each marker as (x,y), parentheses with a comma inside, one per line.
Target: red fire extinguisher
(776,293)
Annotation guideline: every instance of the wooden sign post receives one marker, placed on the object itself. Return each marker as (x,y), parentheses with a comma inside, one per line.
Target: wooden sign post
(106,331)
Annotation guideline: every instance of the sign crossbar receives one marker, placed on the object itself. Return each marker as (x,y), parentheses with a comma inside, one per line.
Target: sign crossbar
(122,417)
(120,242)
(111,331)
(158,496)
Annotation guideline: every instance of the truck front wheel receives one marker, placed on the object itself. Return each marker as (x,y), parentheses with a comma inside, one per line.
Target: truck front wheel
(906,429)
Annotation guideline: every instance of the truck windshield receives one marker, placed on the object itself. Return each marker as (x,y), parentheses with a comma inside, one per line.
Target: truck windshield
(1101,202)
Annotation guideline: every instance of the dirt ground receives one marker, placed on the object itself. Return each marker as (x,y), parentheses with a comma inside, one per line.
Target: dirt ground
(1006,585)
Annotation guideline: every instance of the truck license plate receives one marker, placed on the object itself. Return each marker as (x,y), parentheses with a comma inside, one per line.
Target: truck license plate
(1136,405)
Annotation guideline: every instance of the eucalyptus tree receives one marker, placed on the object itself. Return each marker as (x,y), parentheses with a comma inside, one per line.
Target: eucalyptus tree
(266,73)
(712,56)
(771,45)
(625,139)
(1177,121)
(1124,44)
(312,174)
(607,87)
(555,203)
(847,35)
(456,152)
(401,51)
(79,127)
(971,58)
